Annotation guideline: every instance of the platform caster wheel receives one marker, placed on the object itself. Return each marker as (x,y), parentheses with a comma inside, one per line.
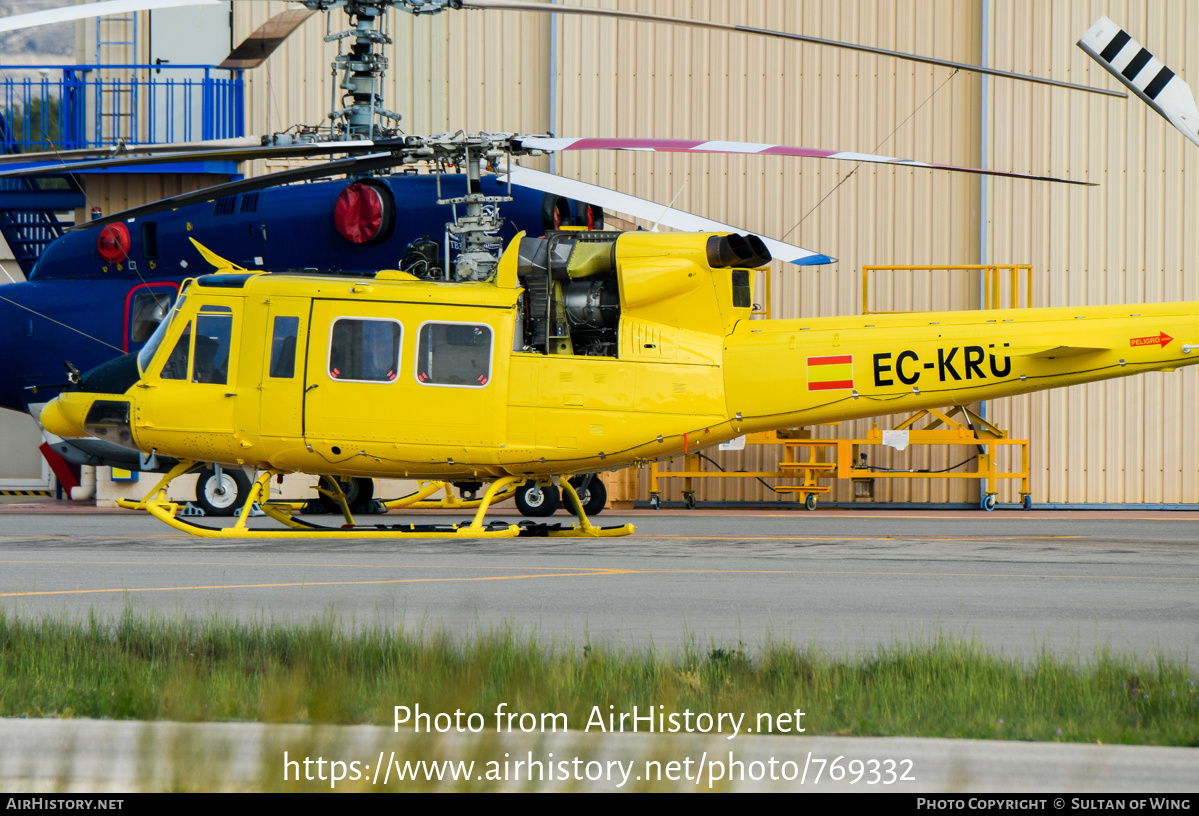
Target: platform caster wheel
(594,497)
(810,501)
(359,493)
(689,500)
(987,502)
(1026,501)
(223,496)
(536,501)
(655,501)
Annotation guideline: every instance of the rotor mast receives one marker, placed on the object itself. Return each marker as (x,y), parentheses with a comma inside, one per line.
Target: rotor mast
(361,67)
(482,219)
(361,116)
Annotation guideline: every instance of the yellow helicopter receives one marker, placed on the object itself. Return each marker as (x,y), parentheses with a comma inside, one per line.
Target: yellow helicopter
(580,351)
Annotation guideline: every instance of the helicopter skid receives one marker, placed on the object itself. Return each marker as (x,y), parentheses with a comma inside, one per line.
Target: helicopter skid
(167,512)
(158,505)
(589,531)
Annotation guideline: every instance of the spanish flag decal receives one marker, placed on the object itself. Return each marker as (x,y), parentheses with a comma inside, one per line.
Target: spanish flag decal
(830,373)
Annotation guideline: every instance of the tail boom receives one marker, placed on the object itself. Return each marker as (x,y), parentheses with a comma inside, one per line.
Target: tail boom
(788,373)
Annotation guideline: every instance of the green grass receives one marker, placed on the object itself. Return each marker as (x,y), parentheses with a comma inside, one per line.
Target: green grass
(147,667)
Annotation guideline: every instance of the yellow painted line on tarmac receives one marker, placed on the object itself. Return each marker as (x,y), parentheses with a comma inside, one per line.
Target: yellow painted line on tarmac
(902,537)
(584,572)
(252,564)
(898,573)
(309,584)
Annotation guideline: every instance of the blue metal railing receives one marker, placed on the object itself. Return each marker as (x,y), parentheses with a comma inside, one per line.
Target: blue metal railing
(75,106)
(29,211)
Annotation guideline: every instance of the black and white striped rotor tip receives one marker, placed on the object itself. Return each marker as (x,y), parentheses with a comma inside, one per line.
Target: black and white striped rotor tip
(1143,74)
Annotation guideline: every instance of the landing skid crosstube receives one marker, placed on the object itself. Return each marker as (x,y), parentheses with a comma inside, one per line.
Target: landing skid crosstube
(158,505)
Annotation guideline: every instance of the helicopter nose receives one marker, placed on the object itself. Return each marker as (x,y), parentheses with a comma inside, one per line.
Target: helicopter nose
(65,415)
(79,413)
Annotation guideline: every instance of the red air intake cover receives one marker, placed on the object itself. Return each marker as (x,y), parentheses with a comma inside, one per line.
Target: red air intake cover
(113,243)
(359,215)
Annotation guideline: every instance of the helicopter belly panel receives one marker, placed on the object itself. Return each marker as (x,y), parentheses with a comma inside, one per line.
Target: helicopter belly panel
(566,404)
(598,383)
(564,408)
(690,390)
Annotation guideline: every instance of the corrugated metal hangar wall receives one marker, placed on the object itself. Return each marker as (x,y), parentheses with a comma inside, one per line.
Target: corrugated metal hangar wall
(1125,241)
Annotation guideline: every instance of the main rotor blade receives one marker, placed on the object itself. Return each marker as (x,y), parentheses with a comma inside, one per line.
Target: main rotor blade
(89,10)
(360,164)
(547,8)
(700,146)
(248,153)
(650,211)
(123,150)
(255,48)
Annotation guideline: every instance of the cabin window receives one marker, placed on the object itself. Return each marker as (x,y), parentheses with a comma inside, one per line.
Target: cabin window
(742,295)
(176,365)
(213,335)
(365,350)
(146,311)
(454,354)
(283,346)
(151,348)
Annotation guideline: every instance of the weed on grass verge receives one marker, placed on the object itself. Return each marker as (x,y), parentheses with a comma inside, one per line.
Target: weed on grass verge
(147,667)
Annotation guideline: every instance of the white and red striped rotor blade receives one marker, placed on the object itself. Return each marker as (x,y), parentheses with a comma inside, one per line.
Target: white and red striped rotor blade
(757,148)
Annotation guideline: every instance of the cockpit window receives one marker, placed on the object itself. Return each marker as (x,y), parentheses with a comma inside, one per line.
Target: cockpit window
(176,365)
(213,335)
(283,346)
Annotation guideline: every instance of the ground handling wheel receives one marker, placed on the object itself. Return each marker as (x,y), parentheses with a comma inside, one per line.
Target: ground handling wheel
(655,501)
(594,497)
(359,493)
(222,496)
(810,501)
(536,501)
(987,502)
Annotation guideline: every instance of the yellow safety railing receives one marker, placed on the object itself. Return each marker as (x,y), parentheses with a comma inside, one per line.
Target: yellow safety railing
(831,459)
(998,279)
(763,310)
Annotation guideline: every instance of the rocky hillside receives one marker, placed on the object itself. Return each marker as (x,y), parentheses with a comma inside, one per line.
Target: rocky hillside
(52,44)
